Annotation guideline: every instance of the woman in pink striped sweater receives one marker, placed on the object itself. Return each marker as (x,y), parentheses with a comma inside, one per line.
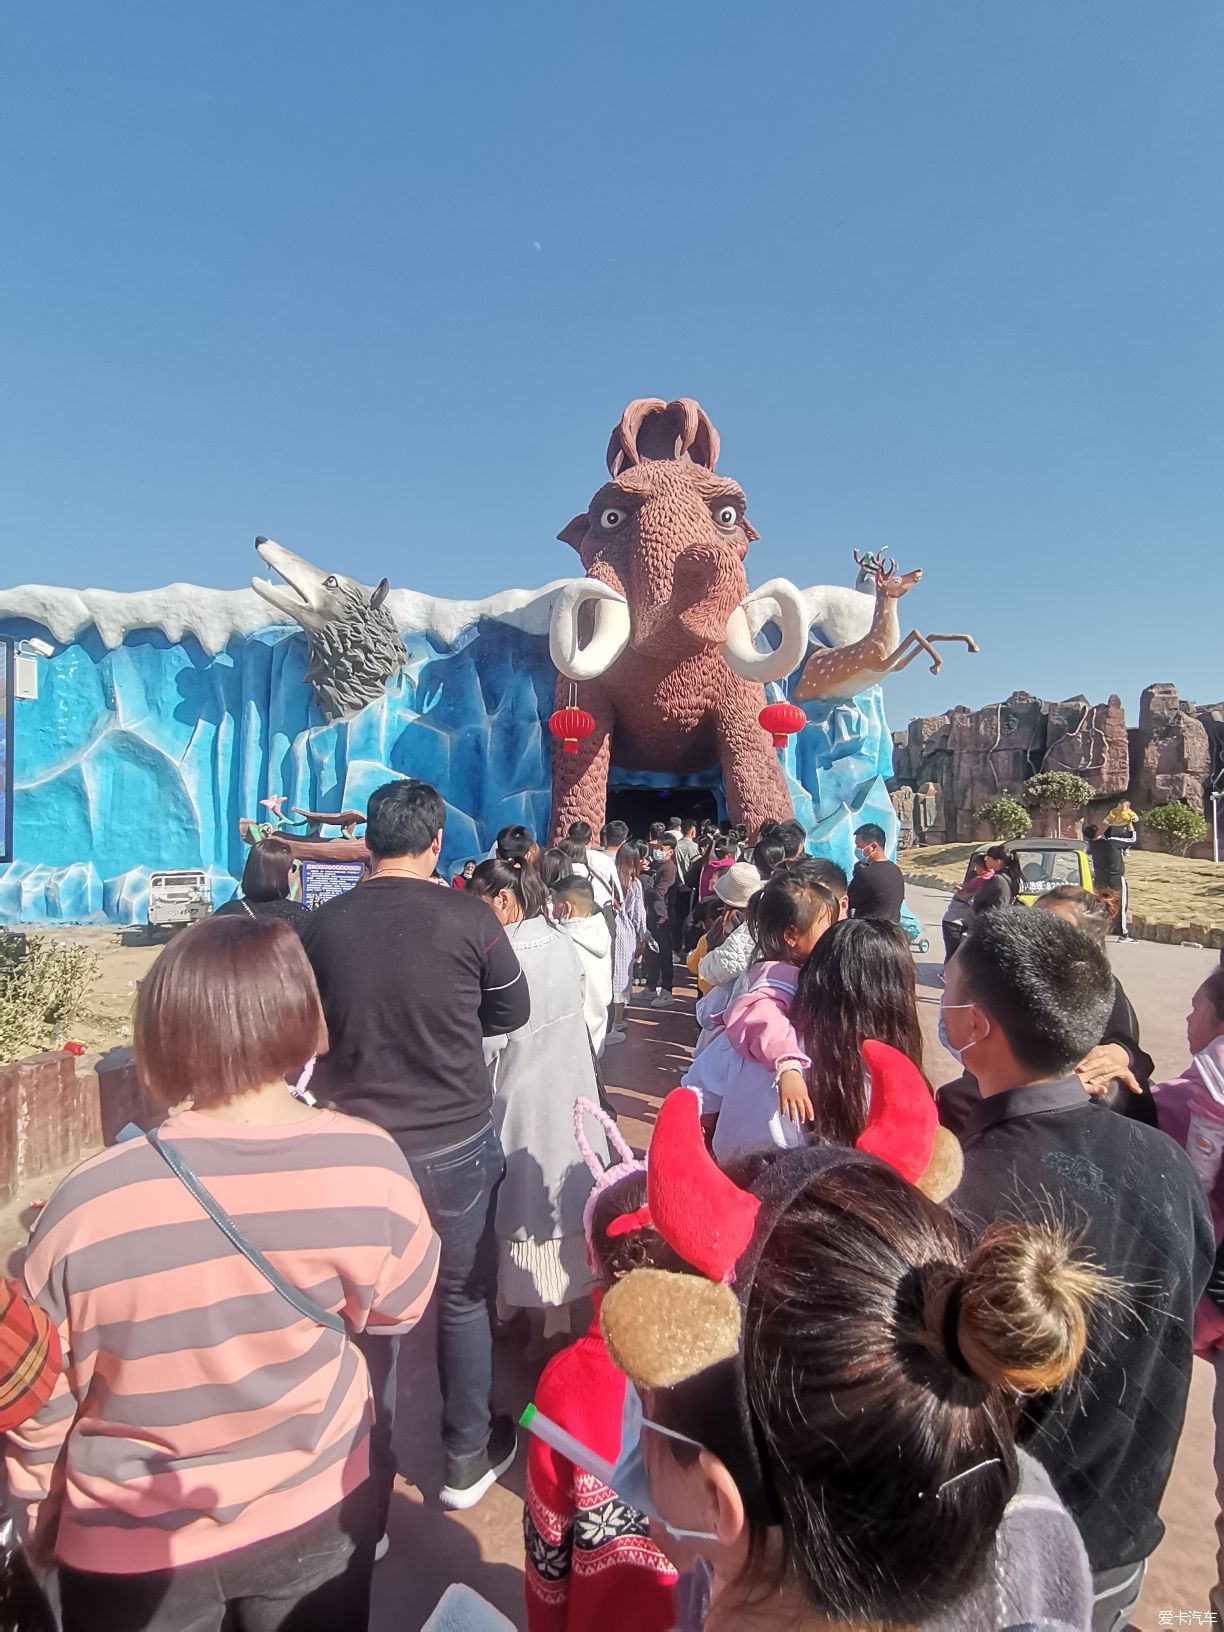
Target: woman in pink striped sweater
(207,1446)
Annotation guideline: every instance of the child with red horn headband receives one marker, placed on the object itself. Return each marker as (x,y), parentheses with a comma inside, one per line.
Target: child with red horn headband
(829,1377)
(590,1560)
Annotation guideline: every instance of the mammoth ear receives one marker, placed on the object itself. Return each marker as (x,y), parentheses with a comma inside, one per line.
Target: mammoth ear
(380,594)
(575,531)
(661,1328)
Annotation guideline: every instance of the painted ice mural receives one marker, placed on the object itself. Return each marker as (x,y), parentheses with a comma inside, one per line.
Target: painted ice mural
(162,719)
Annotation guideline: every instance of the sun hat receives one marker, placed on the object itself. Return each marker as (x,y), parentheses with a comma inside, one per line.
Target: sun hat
(738,884)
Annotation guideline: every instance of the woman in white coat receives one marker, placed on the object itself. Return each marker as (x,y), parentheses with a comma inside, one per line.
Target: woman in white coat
(539,1073)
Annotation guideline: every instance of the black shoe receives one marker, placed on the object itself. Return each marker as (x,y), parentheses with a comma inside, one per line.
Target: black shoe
(467,1478)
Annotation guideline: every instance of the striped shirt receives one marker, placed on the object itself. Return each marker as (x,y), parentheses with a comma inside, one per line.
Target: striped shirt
(198,1412)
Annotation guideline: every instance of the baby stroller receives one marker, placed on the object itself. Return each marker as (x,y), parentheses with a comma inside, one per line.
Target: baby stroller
(914,932)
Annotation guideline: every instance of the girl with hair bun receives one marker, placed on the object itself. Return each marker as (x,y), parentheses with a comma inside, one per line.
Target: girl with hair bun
(539,1073)
(830,1386)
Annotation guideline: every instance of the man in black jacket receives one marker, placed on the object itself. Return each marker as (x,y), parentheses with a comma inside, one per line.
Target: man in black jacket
(1026,996)
(877,886)
(413,978)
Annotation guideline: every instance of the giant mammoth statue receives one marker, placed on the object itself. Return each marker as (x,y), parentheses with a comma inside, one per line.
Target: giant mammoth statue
(657,636)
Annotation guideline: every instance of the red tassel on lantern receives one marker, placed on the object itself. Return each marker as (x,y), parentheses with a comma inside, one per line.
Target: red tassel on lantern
(573,725)
(780,720)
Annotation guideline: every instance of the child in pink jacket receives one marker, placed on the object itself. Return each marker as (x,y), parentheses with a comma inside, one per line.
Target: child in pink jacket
(750,1074)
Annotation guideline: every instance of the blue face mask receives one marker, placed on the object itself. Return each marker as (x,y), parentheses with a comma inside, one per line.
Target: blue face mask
(859,854)
(629,1478)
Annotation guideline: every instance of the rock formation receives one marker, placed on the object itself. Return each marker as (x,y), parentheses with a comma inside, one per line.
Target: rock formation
(973,755)
(1170,751)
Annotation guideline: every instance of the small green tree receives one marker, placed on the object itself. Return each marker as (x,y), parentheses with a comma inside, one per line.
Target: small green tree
(41,995)
(1004,817)
(1057,791)
(1178,825)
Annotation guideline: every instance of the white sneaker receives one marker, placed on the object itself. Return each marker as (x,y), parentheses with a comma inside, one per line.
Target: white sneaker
(663,1001)
(613,1037)
(467,1478)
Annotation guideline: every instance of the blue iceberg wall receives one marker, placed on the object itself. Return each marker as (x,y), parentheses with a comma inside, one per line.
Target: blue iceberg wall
(145,756)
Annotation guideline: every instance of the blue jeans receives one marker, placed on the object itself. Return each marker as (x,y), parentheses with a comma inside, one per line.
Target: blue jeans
(458,1185)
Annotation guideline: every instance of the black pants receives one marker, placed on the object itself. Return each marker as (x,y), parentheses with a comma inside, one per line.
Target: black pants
(314,1579)
(459,1188)
(953,935)
(659,965)
(681,906)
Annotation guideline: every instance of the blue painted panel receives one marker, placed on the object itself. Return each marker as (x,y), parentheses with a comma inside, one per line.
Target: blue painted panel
(145,757)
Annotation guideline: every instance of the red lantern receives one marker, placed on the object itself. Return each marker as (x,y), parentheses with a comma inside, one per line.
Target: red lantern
(572,725)
(780,720)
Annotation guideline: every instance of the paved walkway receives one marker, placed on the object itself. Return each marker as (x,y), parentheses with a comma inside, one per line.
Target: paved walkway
(431,1548)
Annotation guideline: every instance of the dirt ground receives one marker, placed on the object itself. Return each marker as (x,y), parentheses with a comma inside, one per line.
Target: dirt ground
(1163,889)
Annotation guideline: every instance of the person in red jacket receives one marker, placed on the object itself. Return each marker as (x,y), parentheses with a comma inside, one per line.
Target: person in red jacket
(590,1560)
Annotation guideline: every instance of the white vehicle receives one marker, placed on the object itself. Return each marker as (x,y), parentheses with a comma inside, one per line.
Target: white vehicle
(181,897)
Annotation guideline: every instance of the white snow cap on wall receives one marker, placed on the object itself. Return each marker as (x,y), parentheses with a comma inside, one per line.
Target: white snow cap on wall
(215,616)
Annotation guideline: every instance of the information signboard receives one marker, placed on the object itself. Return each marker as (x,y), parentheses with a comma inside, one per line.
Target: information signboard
(325,880)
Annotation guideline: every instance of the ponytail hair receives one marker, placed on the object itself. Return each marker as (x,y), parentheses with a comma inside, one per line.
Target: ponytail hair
(519,877)
(1016,1315)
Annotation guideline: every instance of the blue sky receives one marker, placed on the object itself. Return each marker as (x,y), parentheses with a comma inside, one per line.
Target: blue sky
(377,280)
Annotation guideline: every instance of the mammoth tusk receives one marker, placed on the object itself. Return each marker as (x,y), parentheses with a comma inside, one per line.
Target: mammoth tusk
(611,634)
(783,604)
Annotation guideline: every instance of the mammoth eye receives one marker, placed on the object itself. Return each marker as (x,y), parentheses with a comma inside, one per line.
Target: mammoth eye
(611,519)
(727,516)
(331,581)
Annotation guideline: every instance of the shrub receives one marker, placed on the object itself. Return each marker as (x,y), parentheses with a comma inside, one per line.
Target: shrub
(1005,818)
(1057,790)
(1177,825)
(41,994)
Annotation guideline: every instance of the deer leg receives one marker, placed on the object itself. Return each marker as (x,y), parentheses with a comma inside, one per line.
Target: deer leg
(968,640)
(902,657)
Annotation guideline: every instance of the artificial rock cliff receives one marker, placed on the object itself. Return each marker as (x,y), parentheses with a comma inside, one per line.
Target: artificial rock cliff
(973,755)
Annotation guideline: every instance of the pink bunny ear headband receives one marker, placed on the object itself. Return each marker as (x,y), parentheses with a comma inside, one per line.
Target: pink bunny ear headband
(606,1177)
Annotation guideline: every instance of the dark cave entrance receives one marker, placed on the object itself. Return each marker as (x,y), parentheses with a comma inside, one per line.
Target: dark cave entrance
(638,806)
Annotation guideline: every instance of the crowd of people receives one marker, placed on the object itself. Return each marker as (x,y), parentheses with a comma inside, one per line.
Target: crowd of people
(840,1353)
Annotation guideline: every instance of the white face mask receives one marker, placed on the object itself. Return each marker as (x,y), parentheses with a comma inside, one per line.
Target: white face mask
(657,855)
(942,1029)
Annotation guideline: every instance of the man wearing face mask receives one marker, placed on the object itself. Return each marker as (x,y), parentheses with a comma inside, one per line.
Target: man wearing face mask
(659,887)
(1026,995)
(877,889)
